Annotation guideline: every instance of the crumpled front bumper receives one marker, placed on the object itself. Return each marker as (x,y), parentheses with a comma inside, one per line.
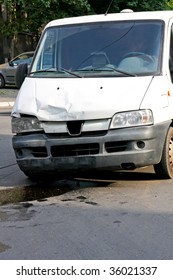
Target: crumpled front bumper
(126,148)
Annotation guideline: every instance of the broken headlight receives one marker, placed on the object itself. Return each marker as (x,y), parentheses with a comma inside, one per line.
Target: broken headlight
(25,124)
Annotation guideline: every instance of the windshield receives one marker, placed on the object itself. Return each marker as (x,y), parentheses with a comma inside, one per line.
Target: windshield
(126,48)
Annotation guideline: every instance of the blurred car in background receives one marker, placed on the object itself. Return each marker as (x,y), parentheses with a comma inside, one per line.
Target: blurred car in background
(8,70)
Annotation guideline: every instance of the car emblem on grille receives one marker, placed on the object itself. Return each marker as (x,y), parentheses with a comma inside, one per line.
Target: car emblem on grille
(74,128)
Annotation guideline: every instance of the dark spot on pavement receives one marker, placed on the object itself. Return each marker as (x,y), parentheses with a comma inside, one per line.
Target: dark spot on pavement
(42,199)
(123,202)
(68,199)
(81,197)
(3,247)
(3,216)
(117,222)
(124,213)
(26,204)
(91,203)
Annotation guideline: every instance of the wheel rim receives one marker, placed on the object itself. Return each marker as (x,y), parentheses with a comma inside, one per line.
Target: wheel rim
(171,153)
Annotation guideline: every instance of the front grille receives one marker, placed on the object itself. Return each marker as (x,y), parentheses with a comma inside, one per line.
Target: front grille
(75,150)
(78,149)
(116,146)
(39,152)
(83,134)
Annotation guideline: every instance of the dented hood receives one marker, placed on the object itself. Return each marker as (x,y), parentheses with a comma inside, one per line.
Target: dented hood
(79,98)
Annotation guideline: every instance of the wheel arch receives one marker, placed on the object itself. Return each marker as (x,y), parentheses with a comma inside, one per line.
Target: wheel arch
(2,81)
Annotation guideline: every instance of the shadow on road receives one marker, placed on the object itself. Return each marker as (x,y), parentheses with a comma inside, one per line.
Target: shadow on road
(42,190)
(143,174)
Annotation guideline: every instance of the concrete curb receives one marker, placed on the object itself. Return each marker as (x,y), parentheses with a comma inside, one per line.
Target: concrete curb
(6,104)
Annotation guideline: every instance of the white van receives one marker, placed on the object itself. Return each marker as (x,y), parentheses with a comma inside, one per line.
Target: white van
(98,96)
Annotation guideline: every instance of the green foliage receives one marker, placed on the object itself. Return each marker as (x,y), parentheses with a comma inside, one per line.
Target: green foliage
(170,4)
(100,6)
(146,5)
(31,16)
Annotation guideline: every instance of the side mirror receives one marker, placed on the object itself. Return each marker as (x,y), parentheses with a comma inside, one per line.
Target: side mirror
(21,73)
(10,63)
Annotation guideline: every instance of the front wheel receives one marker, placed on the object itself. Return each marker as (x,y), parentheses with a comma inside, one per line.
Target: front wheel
(2,82)
(164,169)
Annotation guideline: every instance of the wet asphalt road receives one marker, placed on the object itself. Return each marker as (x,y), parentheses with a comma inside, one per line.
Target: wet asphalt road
(104,216)
(93,220)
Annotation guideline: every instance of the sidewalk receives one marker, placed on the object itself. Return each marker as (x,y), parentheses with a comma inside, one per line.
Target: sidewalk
(7,98)
(6,103)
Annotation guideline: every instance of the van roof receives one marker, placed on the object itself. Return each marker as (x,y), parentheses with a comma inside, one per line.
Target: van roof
(162,15)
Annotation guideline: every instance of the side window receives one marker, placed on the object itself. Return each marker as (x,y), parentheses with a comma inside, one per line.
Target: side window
(46,58)
(48,54)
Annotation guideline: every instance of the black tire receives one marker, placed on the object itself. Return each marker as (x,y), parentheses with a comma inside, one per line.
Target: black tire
(2,82)
(21,73)
(164,169)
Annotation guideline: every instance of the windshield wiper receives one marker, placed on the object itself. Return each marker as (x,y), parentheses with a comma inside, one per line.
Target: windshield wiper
(59,70)
(63,70)
(107,68)
(43,71)
(120,71)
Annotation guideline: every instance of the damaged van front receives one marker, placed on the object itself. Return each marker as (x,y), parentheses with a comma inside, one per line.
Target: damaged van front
(97,97)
